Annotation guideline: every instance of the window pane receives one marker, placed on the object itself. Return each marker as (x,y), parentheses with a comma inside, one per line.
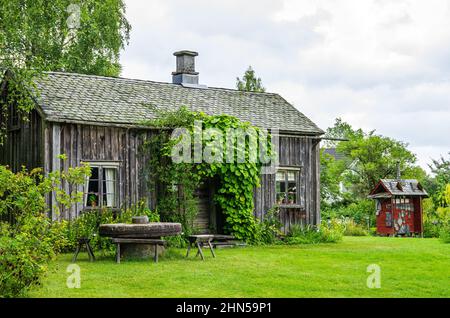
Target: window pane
(93,189)
(292,176)
(109,187)
(281,176)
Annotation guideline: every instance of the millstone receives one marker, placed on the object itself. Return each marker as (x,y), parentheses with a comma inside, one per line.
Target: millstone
(149,230)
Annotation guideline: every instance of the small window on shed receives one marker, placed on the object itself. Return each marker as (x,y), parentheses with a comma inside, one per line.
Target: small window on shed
(286,186)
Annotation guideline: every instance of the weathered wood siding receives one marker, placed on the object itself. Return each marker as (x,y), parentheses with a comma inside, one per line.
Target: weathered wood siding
(37,144)
(24,144)
(99,143)
(299,153)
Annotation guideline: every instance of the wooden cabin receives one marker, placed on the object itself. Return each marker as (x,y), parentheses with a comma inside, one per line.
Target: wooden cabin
(399,207)
(98,120)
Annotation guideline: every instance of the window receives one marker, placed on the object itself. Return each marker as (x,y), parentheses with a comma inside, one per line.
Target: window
(286,186)
(102,187)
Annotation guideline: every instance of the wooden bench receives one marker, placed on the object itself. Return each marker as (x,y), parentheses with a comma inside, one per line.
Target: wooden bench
(200,241)
(84,241)
(155,242)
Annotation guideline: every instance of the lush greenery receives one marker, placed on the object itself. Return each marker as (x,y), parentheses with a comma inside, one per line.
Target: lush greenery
(84,36)
(176,182)
(249,82)
(366,158)
(437,207)
(323,270)
(28,239)
(327,233)
(363,158)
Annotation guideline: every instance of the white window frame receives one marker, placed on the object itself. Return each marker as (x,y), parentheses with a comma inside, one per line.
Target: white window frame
(101,165)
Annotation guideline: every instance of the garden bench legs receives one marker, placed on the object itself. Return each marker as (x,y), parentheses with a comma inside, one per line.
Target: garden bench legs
(90,252)
(200,244)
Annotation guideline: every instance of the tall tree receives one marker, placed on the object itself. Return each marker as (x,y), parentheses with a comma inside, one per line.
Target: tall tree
(367,158)
(83,36)
(249,82)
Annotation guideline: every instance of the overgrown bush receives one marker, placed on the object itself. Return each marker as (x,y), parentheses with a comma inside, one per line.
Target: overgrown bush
(268,230)
(360,212)
(176,241)
(444,235)
(28,240)
(353,229)
(331,232)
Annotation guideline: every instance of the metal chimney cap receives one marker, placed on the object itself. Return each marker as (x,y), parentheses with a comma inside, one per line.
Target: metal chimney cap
(186,52)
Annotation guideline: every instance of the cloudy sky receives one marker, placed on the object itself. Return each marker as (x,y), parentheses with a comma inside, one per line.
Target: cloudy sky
(377,64)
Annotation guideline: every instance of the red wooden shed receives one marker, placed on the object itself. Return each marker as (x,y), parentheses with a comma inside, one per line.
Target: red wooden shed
(398,206)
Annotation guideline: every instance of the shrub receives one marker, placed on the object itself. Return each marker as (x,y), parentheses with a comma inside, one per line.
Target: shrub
(268,230)
(327,233)
(358,211)
(177,241)
(28,239)
(24,255)
(353,229)
(444,234)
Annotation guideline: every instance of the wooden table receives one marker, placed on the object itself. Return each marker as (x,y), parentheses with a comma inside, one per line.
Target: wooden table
(200,241)
(155,242)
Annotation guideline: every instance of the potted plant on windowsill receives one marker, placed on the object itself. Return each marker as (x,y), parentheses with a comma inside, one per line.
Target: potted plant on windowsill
(291,198)
(92,199)
(280,199)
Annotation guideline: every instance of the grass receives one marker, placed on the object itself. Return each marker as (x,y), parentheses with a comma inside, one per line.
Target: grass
(410,267)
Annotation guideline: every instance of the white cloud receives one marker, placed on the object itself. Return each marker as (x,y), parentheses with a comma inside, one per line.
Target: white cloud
(379,64)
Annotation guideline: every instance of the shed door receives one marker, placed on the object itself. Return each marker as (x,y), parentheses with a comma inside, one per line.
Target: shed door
(202,220)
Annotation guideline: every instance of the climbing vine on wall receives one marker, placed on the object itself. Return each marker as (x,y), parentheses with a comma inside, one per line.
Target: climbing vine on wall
(176,182)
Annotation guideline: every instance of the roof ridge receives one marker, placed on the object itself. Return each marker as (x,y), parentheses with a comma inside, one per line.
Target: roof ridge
(156,82)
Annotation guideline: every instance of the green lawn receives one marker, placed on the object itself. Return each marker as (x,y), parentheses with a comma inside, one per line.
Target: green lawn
(410,267)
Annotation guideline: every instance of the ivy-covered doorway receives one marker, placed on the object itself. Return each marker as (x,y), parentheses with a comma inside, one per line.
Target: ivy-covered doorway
(210,218)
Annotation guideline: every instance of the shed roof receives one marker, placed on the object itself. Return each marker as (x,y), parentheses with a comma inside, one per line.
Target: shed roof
(110,100)
(394,187)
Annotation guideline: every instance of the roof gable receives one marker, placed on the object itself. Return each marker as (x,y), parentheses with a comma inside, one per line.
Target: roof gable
(107,100)
(395,187)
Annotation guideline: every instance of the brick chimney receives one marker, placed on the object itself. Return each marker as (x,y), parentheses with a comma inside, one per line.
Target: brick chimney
(185,73)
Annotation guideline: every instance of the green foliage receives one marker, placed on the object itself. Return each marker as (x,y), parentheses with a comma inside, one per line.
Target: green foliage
(364,159)
(436,185)
(331,232)
(83,36)
(176,241)
(354,229)
(367,158)
(360,212)
(176,183)
(436,209)
(249,82)
(28,240)
(444,234)
(268,230)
